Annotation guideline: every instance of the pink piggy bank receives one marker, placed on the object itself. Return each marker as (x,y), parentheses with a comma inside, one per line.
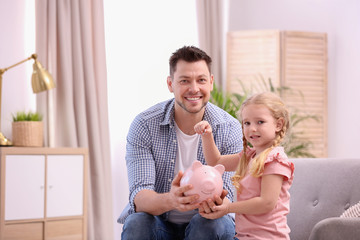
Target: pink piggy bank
(206,180)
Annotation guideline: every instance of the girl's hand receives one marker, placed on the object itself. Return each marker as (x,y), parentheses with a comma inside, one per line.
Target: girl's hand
(212,210)
(216,211)
(202,127)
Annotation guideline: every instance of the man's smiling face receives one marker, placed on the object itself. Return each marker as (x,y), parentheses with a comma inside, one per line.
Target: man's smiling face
(191,85)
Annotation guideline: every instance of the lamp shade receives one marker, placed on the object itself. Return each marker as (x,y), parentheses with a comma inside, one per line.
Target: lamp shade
(41,78)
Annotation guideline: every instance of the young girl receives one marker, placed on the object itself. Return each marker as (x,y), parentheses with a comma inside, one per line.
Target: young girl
(263,173)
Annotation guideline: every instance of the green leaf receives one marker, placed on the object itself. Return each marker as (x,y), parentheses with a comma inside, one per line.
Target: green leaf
(26,116)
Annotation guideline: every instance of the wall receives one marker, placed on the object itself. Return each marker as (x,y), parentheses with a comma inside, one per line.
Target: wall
(17,43)
(340,20)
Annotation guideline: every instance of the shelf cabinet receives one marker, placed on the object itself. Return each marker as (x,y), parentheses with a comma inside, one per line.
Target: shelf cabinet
(43,193)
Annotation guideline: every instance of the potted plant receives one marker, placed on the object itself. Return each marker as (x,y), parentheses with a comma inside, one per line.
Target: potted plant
(27,129)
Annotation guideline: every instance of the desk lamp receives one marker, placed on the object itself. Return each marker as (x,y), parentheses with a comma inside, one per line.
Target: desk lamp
(41,81)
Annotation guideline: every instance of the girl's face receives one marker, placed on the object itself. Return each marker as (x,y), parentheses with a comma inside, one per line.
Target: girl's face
(260,127)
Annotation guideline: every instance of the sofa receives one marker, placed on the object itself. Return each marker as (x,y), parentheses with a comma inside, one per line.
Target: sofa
(324,189)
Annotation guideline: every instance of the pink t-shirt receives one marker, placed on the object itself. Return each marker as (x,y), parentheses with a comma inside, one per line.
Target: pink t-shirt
(271,225)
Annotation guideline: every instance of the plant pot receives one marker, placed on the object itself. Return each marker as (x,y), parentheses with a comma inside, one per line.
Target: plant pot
(28,133)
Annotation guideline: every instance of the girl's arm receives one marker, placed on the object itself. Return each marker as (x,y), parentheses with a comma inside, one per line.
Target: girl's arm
(211,152)
(270,191)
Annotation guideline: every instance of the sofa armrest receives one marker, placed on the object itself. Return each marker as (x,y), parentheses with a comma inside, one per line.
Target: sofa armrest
(336,228)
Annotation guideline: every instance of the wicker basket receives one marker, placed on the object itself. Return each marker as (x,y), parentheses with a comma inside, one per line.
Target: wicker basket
(28,133)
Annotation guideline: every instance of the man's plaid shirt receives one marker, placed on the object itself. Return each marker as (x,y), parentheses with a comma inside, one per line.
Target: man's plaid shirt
(152,146)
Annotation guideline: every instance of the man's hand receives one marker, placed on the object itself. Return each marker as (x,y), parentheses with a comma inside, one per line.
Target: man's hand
(178,200)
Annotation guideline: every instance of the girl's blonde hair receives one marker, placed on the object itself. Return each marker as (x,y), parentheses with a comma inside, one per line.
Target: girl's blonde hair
(279,111)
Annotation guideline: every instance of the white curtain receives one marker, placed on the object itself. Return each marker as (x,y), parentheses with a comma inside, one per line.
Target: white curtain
(212,26)
(70,43)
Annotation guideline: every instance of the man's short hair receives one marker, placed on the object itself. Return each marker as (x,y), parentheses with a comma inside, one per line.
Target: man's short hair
(188,54)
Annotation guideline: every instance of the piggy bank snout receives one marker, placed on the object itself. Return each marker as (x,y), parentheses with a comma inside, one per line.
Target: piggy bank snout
(208,186)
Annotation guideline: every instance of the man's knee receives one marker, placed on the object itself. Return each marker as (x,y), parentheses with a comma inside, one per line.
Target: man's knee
(202,228)
(136,225)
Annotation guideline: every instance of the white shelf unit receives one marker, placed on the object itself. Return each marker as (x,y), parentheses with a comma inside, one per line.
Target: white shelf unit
(43,193)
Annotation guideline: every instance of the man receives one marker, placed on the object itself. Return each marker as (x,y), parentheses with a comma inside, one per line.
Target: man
(162,143)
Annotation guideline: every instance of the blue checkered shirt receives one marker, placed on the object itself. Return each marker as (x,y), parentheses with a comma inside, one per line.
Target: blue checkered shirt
(152,147)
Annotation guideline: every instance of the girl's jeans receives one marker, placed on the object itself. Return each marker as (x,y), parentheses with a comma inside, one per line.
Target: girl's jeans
(145,227)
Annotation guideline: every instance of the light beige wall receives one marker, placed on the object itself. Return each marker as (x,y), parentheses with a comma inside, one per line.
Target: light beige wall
(340,20)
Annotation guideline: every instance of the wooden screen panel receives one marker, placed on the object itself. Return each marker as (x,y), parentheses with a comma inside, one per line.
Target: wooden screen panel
(252,56)
(304,68)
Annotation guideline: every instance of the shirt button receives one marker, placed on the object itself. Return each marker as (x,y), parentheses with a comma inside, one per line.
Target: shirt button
(172,161)
(174,141)
(169,180)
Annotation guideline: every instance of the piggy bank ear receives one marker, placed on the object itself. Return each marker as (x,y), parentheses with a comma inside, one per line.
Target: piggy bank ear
(220,168)
(196,164)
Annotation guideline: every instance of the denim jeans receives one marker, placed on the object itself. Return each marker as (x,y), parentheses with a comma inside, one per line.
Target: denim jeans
(143,226)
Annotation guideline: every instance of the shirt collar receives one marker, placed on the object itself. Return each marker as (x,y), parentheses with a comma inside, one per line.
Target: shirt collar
(169,110)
